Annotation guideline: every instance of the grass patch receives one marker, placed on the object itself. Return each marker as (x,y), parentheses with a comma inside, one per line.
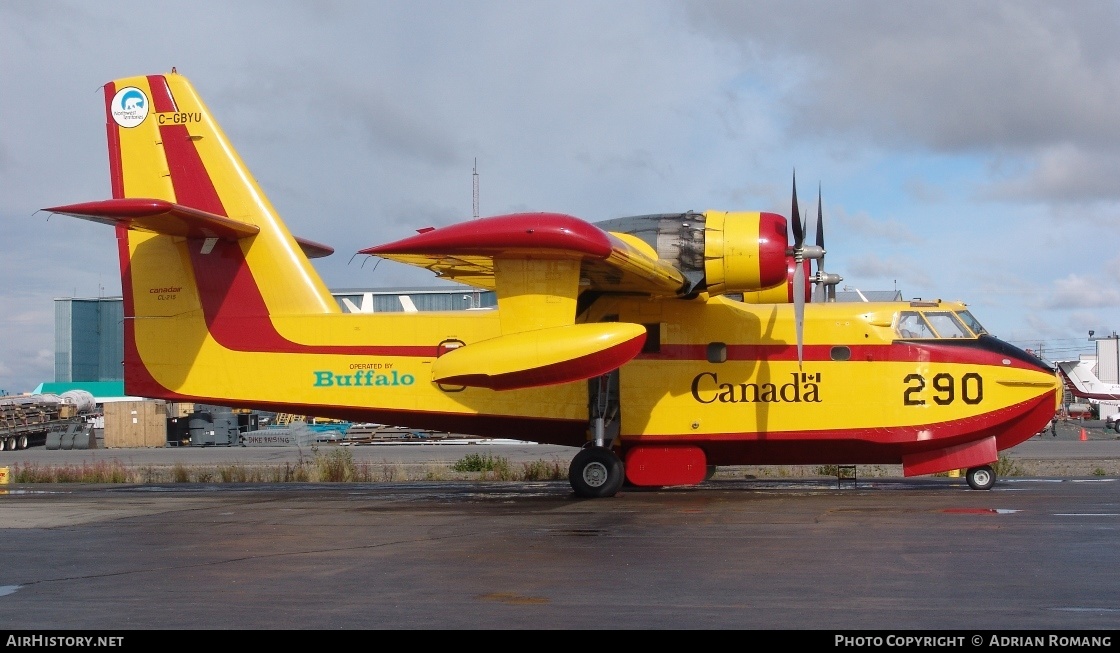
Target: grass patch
(474,462)
(540,470)
(337,466)
(1005,467)
(99,472)
(839,471)
(180,474)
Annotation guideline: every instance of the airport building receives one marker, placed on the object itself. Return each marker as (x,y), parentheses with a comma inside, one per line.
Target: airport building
(88,339)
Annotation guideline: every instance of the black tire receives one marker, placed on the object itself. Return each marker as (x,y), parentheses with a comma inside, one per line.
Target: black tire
(1116,426)
(596,473)
(981,478)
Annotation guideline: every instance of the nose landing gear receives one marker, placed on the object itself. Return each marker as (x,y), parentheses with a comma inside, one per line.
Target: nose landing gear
(981,478)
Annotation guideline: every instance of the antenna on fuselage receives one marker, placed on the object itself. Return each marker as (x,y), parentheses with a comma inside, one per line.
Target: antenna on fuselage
(474,194)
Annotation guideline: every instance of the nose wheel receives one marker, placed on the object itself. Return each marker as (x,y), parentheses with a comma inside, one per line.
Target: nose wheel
(596,472)
(981,478)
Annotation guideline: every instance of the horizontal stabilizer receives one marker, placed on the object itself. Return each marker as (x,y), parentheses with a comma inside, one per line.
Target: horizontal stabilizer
(170,219)
(542,357)
(312,249)
(159,216)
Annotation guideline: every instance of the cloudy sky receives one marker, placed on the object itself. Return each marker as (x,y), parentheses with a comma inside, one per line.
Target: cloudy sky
(966,150)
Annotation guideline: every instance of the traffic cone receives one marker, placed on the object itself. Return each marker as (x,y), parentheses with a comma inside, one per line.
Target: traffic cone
(1084,436)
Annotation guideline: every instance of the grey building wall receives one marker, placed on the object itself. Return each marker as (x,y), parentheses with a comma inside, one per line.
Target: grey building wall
(1108,359)
(399,300)
(89,339)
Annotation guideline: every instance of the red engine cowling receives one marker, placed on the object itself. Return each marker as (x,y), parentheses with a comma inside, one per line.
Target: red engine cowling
(783,293)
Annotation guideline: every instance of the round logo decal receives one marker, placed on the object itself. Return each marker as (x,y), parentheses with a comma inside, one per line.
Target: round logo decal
(129,107)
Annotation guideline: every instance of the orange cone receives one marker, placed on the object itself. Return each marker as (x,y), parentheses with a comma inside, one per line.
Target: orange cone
(1084,436)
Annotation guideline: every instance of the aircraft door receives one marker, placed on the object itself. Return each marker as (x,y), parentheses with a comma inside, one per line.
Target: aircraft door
(449,345)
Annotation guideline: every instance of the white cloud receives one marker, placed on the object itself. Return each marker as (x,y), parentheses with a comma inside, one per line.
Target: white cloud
(861,226)
(1079,292)
(872,267)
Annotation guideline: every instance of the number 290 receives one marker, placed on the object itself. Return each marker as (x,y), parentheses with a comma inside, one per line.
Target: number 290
(945,389)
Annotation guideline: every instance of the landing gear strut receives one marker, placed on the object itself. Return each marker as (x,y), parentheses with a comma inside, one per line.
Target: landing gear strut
(981,478)
(596,472)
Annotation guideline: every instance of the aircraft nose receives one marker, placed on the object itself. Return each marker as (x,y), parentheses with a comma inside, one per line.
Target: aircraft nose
(996,345)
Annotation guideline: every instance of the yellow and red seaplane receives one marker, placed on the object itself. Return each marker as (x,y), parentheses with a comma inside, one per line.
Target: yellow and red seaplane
(661,345)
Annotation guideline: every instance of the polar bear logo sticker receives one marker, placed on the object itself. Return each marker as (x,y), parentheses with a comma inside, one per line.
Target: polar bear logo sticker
(129,107)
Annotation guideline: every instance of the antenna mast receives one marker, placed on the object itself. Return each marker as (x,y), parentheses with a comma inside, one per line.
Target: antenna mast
(475,193)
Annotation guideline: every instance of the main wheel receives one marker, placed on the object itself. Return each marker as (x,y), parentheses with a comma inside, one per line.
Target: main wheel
(596,472)
(981,478)
(22,442)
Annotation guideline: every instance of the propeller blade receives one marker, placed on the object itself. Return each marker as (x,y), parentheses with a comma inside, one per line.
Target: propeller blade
(819,294)
(795,217)
(799,308)
(820,226)
(827,281)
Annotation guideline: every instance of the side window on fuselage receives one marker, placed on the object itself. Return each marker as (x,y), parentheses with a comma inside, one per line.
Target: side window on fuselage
(911,324)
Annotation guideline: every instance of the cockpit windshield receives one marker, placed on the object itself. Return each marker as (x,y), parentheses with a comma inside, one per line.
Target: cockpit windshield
(936,324)
(971,323)
(947,325)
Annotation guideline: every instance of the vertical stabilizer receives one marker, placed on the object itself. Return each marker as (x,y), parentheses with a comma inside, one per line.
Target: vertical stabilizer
(164,144)
(1083,383)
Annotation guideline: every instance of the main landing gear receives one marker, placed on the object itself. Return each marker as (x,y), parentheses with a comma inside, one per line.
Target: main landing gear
(981,478)
(596,472)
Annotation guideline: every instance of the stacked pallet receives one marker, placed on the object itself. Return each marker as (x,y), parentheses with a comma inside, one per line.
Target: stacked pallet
(25,420)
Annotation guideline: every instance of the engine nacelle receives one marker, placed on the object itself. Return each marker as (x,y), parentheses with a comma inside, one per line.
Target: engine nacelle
(744,252)
(719,252)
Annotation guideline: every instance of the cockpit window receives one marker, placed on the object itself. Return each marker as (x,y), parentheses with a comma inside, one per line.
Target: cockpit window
(971,323)
(911,324)
(934,324)
(946,325)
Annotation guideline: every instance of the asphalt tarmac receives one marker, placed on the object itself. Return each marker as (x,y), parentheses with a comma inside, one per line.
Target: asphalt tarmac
(891,555)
